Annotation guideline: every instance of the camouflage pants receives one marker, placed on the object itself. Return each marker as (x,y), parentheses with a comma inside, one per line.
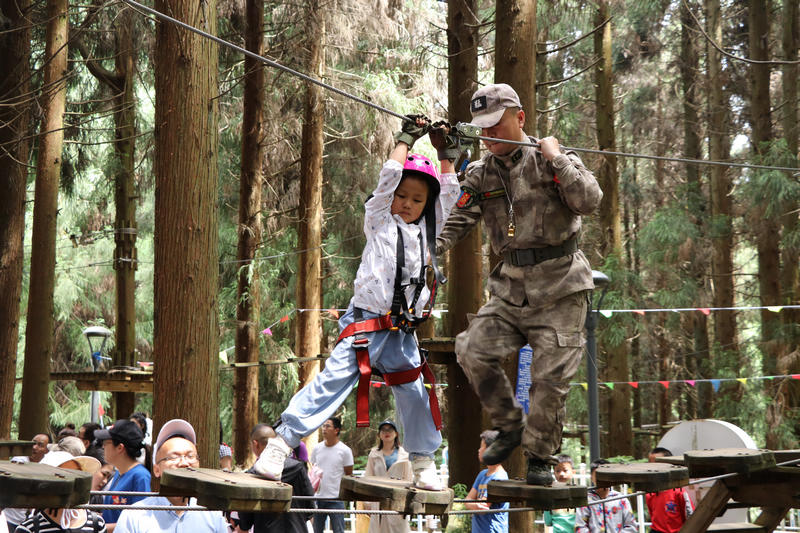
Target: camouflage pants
(498,331)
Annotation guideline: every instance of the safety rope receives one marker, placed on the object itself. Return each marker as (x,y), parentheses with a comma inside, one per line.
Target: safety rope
(306,77)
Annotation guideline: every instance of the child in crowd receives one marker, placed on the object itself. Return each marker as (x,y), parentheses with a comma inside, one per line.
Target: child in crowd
(487,523)
(562,520)
(402,218)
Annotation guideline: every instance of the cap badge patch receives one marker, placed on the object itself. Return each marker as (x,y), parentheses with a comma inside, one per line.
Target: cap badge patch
(478,103)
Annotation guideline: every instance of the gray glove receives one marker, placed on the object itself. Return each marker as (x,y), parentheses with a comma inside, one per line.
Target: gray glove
(447,145)
(410,131)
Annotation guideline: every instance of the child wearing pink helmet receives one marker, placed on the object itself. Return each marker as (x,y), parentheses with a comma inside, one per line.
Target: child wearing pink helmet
(403,216)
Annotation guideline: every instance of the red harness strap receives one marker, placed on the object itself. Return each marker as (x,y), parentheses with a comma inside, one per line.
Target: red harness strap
(407,376)
(361,347)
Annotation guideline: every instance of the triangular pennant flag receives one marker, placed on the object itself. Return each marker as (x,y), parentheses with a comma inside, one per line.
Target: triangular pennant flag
(284,318)
(101,410)
(334,313)
(585,386)
(223,356)
(606,313)
(266,331)
(638,312)
(634,384)
(665,384)
(743,381)
(775,308)
(690,382)
(715,384)
(437,313)
(795,376)
(609,384)
(705,310)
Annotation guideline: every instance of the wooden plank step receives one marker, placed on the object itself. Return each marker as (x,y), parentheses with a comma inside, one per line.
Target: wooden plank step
(227,491)
(736,527)
(396,495)
(559,496)
(37,486)
(13,448)
(704,463)
(650,477)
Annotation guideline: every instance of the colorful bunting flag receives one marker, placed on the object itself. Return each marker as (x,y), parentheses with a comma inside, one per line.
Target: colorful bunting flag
(266,331)
(606,313)
(610,385)
(705,310)
(690,382)
(743,381)
(665,384)
(634,384)
(715,384)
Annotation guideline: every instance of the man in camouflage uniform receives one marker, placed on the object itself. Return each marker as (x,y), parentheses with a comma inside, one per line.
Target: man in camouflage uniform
(530,200)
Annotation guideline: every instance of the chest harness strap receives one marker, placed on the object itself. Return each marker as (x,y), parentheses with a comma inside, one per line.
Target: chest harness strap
(402,317)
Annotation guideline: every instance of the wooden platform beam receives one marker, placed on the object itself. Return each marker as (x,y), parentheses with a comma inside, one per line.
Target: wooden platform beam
(710,507)
(14,448)
(38,486)
(396,495)
(559,496)
(226,491)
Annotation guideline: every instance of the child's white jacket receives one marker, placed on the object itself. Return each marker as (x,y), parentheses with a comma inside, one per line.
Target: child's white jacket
(374,284)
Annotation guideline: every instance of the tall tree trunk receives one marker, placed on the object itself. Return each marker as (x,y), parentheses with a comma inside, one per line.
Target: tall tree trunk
(725,336)
(790,284)
(39,331)
(245,398)
(696,203)
(186,275)
(15,107)
(619,417)
(767,226)
(309,231)
(542,92)
(466,281)
(125,196)
(515,53)
(121,83)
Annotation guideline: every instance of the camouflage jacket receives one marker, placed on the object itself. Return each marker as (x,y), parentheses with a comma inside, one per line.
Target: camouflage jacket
(548,199)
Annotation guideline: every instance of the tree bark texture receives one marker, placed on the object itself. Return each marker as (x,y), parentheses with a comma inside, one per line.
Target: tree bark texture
(125,196)
(515,64)
(696,202)
(767,226)
(620,441)
(15,108)
(515,51)
(465,283)
(33,417)
(725,335)
(790,284)
(186,257)
(309,230)
(245,398)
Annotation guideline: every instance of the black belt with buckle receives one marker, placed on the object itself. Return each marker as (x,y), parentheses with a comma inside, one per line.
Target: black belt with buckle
(534,256)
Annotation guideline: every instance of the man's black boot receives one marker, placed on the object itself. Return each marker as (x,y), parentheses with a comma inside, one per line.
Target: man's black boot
(501,448)
(539,473)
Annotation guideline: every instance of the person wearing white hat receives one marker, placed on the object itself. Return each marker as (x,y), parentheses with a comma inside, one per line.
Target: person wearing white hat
(72,520)
(175,447)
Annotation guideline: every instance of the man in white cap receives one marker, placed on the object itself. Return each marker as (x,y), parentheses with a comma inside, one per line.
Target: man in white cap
(73,520)
(531,200)
(175,447)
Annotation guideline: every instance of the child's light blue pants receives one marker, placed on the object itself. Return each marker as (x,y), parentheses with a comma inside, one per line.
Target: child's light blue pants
(389,351)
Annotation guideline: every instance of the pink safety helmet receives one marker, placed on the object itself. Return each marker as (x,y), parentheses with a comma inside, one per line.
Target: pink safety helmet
(420,166)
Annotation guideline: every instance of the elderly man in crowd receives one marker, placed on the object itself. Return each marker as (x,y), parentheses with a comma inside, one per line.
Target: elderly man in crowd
(175,448)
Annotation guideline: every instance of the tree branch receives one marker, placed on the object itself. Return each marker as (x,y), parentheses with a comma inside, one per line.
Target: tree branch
(602,24)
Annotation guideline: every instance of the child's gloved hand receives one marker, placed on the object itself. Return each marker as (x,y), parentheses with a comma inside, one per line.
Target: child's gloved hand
(412,129)
(447,146)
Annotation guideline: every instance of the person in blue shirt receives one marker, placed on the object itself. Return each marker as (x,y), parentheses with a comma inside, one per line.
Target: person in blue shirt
(487,522)
(175,448)
(122,444)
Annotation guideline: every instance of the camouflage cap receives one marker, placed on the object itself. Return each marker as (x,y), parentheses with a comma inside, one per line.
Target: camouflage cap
(490,102)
